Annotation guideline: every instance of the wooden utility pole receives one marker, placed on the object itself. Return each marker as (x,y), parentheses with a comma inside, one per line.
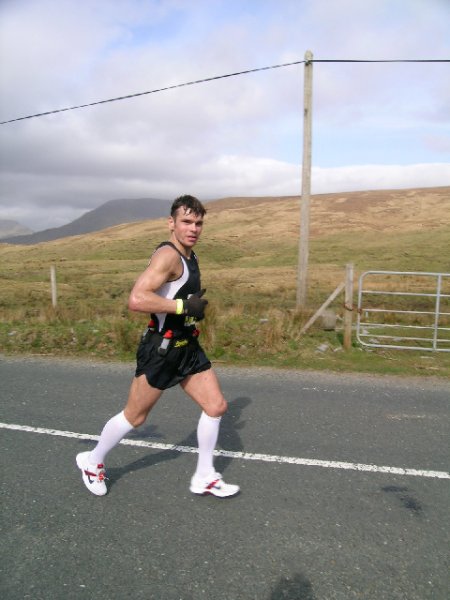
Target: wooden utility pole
(303,248)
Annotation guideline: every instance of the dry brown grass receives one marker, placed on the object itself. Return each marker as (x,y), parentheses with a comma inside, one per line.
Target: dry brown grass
(380,210)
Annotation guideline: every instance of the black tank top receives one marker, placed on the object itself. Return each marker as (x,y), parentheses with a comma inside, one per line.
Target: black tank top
(188,283)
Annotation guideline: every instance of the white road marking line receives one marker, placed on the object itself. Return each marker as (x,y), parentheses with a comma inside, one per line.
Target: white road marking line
(308,462)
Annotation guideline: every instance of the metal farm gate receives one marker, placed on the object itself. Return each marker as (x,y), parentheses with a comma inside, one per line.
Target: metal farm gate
(404,310)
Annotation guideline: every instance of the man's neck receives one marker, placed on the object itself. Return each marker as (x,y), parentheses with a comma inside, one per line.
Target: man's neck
(186,252)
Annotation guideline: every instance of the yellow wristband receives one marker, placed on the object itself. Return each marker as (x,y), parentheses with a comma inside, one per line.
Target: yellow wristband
(180,306)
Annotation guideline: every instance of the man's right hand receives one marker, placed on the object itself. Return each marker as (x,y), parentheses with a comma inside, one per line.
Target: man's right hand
(195,305)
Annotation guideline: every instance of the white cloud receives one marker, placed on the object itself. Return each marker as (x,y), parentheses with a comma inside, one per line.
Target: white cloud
(373,177)
(235,136)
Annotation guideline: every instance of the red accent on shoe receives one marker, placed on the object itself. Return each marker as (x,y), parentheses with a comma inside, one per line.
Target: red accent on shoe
(101,475)
(212,484)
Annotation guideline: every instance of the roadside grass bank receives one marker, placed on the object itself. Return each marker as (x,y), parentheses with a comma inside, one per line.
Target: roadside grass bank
(230,337)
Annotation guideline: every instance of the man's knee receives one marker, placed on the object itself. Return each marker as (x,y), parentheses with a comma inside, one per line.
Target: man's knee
(141,399)
(135,419)
(217,408)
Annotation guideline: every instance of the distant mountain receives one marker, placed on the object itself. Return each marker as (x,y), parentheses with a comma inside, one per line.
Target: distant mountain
(12,228)
(114,212)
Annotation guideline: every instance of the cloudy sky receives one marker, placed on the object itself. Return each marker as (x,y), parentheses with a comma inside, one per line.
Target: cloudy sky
(374,125)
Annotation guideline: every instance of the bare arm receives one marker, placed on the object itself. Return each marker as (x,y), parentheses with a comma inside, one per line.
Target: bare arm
(164,266)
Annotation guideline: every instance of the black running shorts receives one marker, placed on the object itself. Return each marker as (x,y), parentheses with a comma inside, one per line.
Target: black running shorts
(163,372)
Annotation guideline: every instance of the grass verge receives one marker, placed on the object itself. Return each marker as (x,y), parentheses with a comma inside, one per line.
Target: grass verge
(230,337)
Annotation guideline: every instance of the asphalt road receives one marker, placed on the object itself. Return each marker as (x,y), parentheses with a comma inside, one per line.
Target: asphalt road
(297,531)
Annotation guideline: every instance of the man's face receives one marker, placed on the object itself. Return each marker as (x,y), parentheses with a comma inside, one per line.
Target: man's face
(186,227)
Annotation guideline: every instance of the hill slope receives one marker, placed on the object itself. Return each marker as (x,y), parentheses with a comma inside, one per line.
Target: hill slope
(109,214)
(377,210)
(10,228)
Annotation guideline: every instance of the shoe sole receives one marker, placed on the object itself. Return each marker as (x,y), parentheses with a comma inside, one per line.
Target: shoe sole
(201,492)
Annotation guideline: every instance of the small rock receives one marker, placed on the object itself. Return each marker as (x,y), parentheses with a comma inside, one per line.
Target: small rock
(322,348)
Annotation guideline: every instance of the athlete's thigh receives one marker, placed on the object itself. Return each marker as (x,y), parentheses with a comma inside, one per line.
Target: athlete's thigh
(141,399)
(204,388)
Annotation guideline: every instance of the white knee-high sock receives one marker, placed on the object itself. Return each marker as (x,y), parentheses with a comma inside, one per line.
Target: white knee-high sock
(114,430)
(207,434)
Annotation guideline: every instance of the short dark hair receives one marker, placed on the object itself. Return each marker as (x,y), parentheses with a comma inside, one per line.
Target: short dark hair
(190,204)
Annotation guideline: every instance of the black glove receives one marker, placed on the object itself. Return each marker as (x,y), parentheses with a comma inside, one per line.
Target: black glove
(195,306)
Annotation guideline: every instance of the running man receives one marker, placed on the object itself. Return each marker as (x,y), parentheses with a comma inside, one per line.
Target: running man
(169,354)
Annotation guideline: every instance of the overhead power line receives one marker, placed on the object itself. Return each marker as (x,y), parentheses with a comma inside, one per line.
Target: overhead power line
(155,91)
(215,78)
(387,60)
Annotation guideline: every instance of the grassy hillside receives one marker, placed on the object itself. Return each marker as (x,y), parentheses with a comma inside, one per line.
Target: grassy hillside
(248,255)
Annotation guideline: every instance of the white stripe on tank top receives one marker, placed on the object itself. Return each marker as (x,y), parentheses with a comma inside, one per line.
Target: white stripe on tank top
(170,289)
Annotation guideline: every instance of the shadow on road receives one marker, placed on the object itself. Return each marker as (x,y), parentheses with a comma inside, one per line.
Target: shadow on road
(229,439)
(406,498)
(296,588)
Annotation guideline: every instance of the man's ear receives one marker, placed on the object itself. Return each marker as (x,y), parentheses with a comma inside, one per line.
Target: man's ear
(171,224)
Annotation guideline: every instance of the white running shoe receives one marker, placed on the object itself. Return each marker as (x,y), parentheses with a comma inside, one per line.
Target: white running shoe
(214,485)
(93,475)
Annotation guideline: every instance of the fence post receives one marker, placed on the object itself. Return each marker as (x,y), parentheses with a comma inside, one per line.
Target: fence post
(348,306)
(53,285)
